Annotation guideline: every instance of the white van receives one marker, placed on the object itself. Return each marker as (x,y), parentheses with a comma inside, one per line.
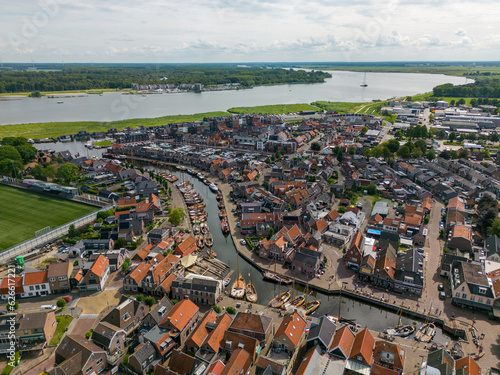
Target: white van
(48,308)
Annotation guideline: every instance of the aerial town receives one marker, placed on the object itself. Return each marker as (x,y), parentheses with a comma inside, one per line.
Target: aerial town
(305,243)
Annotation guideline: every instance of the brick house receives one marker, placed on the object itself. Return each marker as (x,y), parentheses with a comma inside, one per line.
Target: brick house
(78,356)
(58,275)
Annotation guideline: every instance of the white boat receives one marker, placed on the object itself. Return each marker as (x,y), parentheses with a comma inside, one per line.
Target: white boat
(89,145)
(60,102)
(213,187)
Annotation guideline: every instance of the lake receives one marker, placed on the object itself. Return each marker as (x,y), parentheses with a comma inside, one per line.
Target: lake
(342,87)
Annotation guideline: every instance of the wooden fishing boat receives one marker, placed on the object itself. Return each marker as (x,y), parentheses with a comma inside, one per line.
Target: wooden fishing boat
(280,299)
(199,241)
(204,228)
(426,332)
(211,253)
(272,276)
(224,225)
(297,301)
(220,204)
(312,306)
(238,288)
(222,213)
(206,182)
(400,330)
(251,292)
(196,228)
(219,196)
(209,241)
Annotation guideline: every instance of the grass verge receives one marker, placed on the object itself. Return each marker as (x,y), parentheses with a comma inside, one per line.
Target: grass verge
(54,129)
(8,369)
(63,322)
(23,212)
(341,107)
(103,143)
(274,109)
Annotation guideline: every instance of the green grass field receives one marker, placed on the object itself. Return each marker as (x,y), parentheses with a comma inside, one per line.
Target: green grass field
(22,213)
(274,109)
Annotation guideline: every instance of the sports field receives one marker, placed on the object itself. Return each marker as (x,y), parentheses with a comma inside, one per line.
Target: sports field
(22,213)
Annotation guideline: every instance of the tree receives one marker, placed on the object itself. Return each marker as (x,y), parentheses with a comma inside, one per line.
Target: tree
(72,232)
(61,303)
(67,172)
(341,210)
(10,167)
(487,213)
(454,154)
(38,172)
(452,102)
(377,152)
(27,152)
(393,145)
(267,161)
(150,301)
(125,265)
(386,153)
(431,117)
(176,216)
(12,306)
(352,150)
(217,309)
(494,229)
(169,192)
(463,154)
(270,233)
(399,134)
(416,153)
(119,243)
(364,129)
(431,154)
(421,145)
(340,156)
(471,136)
(494,137)
(409,98)
(289,207)
(139,297)
(452,136)
(10,153)
(404,152)
(231,310)
(367,153)
(371,189)
(315,146)
(445,154)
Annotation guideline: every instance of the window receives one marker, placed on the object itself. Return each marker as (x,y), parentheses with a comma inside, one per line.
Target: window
(52,279)
(99,361)
(464,296)
(457,294)
(43,286)
(31,287)
(88,370)
(482,290)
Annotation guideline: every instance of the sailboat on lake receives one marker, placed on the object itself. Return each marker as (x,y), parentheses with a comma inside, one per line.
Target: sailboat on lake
(364,84)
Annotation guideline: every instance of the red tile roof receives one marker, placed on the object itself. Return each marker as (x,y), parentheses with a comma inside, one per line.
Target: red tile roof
(362,347)
(238,363)
(17,282)
(396,350)
(200,332)
(292,326)
(32,278)
(100,265)
(140,272)
(343,339)
(180,315)
(214,338)
(469,365)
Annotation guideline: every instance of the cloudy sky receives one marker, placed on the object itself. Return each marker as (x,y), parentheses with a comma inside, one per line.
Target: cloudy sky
(248,30)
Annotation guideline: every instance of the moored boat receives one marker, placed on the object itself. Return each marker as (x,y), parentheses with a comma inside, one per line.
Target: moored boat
(219,196)
(312,306)
(204,228)
(224,225)
(297,301)
(209,241)
(402,331)
(251,293)
(212,253)
(273,276)
(196,228)
(199,241)
(280,299)
(222,213)
(213,187)
(426,332)
(238,288)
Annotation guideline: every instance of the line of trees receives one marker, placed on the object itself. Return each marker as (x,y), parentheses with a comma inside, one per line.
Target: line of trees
(481,88)
(122,76)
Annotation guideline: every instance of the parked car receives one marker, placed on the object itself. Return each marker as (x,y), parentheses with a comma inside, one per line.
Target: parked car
(442,296)
(67,299)
(359,205)
(48,308)
(440,287)
(243,242)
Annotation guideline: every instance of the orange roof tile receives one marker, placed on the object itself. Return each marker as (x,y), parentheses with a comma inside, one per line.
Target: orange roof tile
(167,283)
(100,265)
(469,365)
(461,231)
(17,282)
(140,272)
(343,339)
(362,347)
(216,368)
(333,214)
(32,278)
(186,244)
(200,332)
(395,349)
(320,225)
(292,326)
(180,315)
(214,338)
(238,363)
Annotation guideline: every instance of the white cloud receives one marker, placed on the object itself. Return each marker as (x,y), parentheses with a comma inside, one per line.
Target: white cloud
(250,30)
